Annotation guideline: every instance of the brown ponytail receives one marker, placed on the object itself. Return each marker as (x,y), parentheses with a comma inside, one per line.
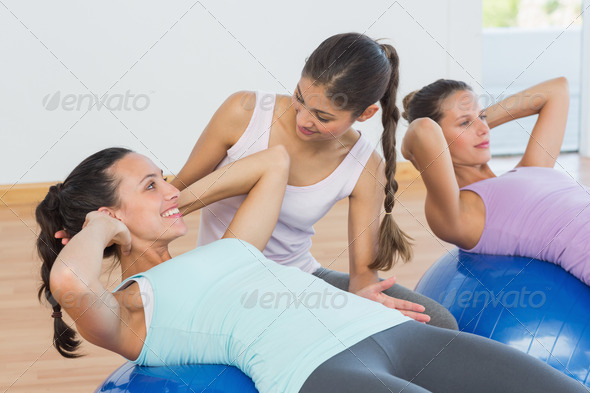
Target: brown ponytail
(89,187)
(393,242)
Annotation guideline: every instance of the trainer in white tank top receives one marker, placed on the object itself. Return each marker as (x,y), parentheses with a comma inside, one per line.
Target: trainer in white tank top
(302,206)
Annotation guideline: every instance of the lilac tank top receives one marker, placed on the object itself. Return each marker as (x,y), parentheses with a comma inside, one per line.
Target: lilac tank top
(302,207)
(538,213)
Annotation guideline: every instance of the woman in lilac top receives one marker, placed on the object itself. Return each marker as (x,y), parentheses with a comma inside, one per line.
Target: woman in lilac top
(533,210)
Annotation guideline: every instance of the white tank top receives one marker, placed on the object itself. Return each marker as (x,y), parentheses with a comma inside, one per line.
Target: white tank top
(147,298)
(302,206)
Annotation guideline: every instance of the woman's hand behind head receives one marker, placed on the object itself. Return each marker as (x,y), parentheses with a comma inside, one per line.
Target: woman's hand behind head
(117,231)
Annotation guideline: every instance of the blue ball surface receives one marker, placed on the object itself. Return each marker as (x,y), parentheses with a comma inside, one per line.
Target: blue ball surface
(532,305)
(130,378)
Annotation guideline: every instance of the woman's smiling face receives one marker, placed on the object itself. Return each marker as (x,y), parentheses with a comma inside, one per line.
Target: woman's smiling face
(148,205)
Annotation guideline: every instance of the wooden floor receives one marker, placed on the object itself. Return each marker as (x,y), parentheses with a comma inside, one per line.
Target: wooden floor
(28,362)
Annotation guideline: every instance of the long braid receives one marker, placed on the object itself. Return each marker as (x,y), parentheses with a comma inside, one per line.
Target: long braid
(393,242)
(357,72)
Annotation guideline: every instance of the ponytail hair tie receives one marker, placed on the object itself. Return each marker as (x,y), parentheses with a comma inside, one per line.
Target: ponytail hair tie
(56,314)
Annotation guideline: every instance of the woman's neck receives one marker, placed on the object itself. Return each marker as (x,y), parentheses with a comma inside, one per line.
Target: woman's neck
(142,259)
(467,175)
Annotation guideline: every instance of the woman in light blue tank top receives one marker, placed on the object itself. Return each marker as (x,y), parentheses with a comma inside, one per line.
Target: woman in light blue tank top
(533,210)
(225,303)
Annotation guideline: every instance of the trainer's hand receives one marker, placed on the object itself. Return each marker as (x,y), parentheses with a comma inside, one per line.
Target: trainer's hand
(375,292)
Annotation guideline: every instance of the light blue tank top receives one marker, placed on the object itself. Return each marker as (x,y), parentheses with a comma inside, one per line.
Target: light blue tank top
(225,303)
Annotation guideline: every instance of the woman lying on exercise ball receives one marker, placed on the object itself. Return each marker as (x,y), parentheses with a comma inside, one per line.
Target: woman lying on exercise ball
(533,210)
(190,309)
(341,83)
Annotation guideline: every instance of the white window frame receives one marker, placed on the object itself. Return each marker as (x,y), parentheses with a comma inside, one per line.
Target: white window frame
(585,88)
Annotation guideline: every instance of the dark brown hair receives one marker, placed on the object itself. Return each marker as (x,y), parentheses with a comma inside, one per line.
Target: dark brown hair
(89,187)
(427,102)
(356,72)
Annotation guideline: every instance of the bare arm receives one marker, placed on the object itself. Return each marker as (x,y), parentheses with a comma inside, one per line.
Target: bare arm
(224,129)
(550,100)
(448,216)
(263,176)
(365,206)
(257,216)
(75,281)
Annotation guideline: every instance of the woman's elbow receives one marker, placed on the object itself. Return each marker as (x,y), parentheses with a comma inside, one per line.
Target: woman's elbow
(64,282)
(562,85)
(279,159)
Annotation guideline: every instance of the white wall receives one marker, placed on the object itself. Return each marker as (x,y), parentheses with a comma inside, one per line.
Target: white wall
(179,60)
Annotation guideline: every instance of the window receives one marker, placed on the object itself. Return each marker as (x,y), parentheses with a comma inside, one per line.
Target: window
(524,43)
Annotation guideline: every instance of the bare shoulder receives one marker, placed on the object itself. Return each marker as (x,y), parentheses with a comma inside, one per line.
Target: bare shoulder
(283,101)
(232,118)
(239,107)
(284,114)
(375,164)
(283,104)
(372,177)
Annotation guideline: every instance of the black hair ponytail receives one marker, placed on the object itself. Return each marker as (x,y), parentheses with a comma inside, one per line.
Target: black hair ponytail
(89,187)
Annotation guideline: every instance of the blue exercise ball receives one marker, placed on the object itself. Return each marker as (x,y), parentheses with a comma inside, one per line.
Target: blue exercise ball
(208,378)
(532,305)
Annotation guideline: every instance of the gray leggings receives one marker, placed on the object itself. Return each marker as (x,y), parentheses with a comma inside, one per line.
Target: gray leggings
(439,316)
(417,358)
